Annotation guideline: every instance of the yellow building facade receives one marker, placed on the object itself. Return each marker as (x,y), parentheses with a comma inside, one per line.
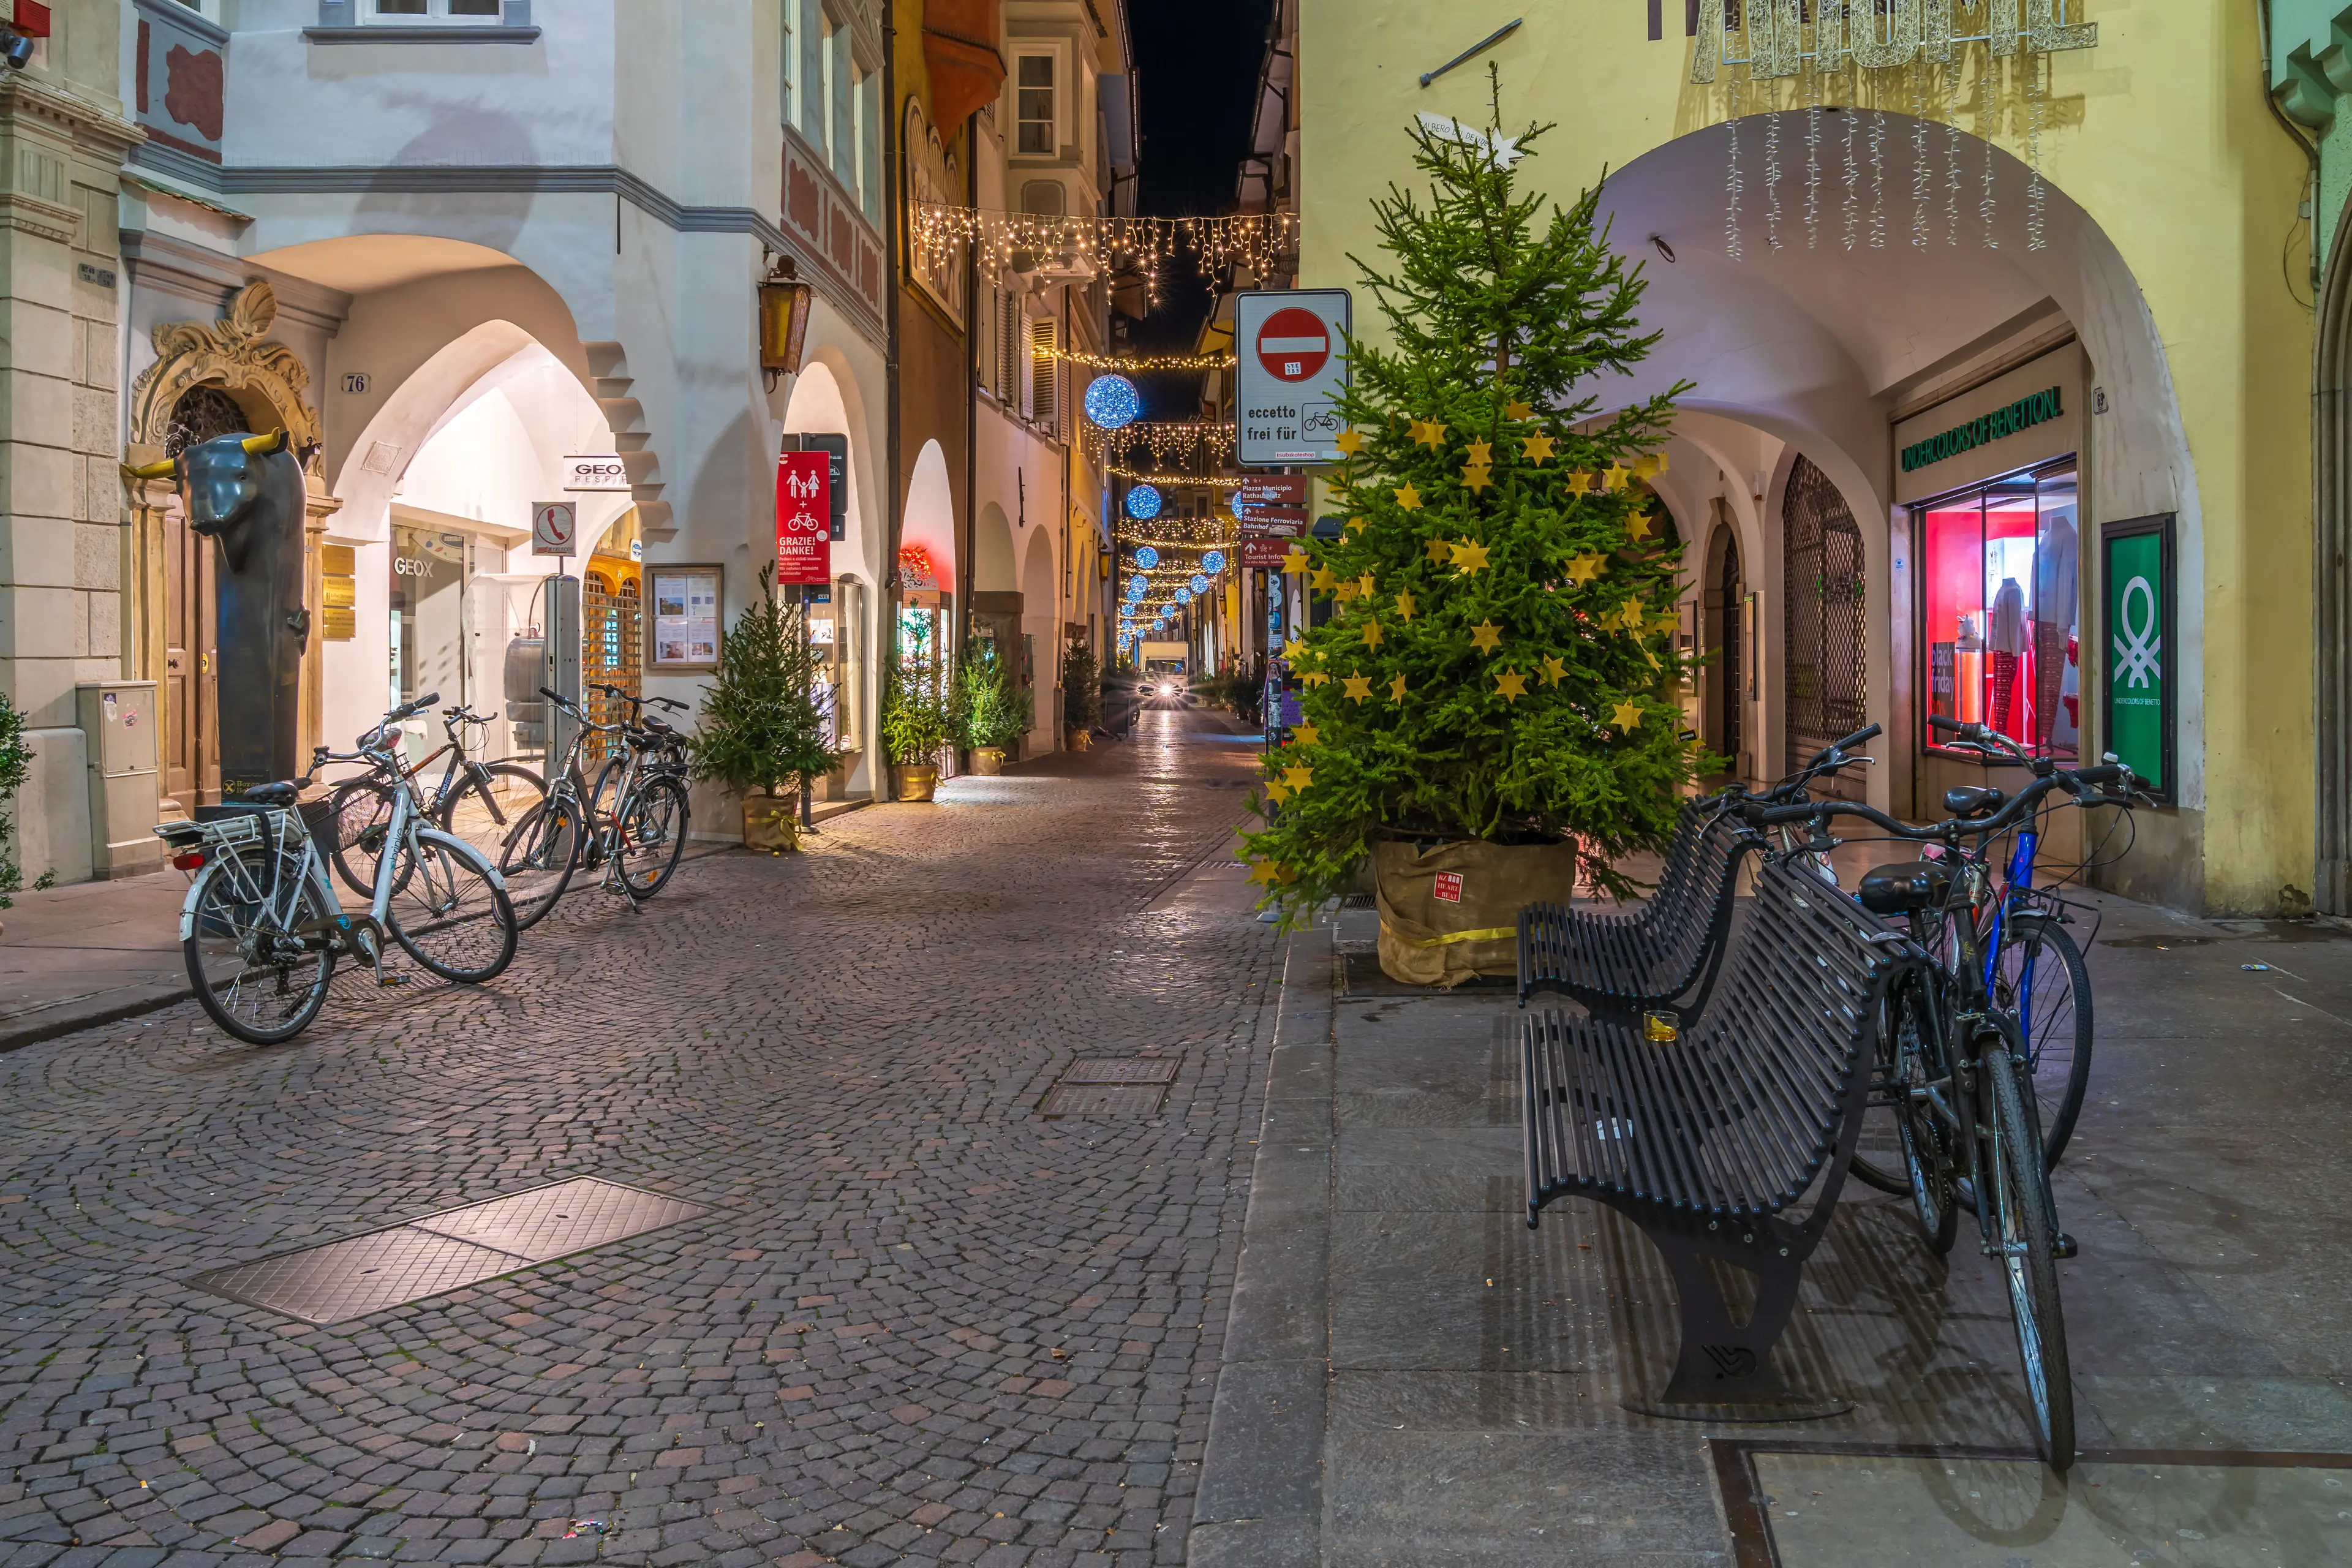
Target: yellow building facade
(1998,335)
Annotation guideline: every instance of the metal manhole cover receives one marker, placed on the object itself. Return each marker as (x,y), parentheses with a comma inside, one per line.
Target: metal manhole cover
(1103,1099)
(1122,1070)
(366,1274)
(567,1217)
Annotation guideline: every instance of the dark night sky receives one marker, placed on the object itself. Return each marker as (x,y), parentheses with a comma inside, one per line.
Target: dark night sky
(1197,61)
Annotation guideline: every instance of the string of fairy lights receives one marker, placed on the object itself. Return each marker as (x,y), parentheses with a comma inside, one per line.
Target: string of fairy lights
(1142,363)
(1256,241)
(1169,442)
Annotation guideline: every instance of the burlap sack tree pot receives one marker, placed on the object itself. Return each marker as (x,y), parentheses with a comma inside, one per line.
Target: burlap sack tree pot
(1489,707)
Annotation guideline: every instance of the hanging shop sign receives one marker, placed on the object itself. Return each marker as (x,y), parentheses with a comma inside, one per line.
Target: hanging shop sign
(2139,635)
(554,528)
(682,633)
(803,517)
(1291,369)
(2009,419)
(591,472)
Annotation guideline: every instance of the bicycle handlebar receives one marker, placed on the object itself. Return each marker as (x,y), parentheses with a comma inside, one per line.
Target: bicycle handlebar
(2020,806)
(1822,757)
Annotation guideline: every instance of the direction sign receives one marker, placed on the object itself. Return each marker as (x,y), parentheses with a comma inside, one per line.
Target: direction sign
(554,528)
(1290,366)
(1257,522)
(1267,555)
(1270,489)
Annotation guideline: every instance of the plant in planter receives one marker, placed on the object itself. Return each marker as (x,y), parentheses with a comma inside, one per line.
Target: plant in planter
(1081,694)
(15,766)
(763,732)
(1490,700)
(915,724)
(989,716)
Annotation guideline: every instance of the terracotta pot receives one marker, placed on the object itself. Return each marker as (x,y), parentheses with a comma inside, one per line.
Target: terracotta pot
(987,761)
(1081,740)
(771,823)
(916,783)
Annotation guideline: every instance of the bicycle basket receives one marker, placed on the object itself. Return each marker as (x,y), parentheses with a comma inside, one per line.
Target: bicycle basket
(321,820)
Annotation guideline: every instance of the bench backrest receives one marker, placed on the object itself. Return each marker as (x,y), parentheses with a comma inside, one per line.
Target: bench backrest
(1702,859)
(1792,1021)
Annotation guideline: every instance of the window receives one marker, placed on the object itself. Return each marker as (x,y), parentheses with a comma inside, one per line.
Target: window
(2000,582)
(815,32)
(788,47)
(840,84)
(1034,111)
(398,11)
(1044,381)
(869,142)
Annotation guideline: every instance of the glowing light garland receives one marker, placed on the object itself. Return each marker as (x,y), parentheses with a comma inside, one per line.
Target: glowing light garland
(1144,365)
(1257,241)
(1167,440)
(1177,481)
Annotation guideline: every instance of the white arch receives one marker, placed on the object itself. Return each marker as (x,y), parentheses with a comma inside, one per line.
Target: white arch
(930,513)
(1040,622)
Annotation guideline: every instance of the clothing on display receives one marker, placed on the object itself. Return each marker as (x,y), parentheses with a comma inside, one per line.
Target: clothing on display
(2054,590)
(2006,631)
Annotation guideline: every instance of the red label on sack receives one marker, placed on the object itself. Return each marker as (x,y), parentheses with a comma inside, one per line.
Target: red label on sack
(1449,888)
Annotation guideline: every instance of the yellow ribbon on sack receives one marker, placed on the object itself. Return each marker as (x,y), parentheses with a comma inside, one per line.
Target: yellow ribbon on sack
(1492,933)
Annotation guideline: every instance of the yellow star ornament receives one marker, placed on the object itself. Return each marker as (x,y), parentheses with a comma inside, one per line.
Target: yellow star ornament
(1585,568)
(1469,557)
(1519,411)
(1359,687)
(1539,447)
(1631,617)
(1297,778)
(1324,578)
(1350,442)
(1638,526)
(1511,685)
(1265,872)
(1346,590)
(1373,634)
(1408,497)
(1627,716)
(1314,677)
(1357,525)
(1396,690)
(1436,549)
(1364,584)
(1406,608)
(1429,431)
(1306,735)
(1295,562)
(1481,453)
(1554,672)
(1485,636)
(1476,477)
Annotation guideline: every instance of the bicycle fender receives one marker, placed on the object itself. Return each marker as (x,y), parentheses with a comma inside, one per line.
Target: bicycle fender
(188,904)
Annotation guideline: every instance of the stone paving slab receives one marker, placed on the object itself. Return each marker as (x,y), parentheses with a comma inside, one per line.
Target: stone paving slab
(915,1322)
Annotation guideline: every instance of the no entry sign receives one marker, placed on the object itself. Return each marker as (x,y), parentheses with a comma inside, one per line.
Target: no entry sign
(1290,366)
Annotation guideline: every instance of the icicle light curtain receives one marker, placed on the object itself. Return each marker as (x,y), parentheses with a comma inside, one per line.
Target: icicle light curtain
(1255,241)
(1169,441)
(1893,47)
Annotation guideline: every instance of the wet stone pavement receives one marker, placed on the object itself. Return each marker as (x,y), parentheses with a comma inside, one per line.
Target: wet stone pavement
(914,1320)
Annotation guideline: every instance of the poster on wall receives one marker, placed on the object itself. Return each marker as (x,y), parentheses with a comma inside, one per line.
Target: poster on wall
(803,517)
(2139,634)
(682,633)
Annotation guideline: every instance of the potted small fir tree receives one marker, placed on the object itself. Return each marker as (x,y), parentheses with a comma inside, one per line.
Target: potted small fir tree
(1489,700)
(915,721)
(990,716)
(763,732)
(1081,694)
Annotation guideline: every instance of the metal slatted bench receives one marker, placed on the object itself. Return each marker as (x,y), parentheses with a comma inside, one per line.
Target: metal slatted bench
(1619,967)
(1703,1140)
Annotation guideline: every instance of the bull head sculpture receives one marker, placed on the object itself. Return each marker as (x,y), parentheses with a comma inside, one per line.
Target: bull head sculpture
(222,483)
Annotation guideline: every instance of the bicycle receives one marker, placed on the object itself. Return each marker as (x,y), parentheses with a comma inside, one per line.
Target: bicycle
(664,746)
(262,904)
(637,842)
(1951,1069)
(475,801)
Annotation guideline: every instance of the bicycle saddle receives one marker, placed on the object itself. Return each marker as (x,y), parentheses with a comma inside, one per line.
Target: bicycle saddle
(1905,885)
(281,793)
(1973,800)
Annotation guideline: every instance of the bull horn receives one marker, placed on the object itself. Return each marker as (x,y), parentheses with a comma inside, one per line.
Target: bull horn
(161,469)
(261,446)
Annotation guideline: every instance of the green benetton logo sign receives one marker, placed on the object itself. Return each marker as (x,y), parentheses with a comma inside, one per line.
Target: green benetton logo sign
(2022,414)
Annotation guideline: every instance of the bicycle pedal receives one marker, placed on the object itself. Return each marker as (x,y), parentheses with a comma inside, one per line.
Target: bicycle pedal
(2065,1247)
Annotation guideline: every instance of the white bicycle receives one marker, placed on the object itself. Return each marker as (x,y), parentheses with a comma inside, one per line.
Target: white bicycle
(262,928)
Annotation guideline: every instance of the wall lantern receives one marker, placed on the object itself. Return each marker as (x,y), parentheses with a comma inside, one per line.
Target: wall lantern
(784,305)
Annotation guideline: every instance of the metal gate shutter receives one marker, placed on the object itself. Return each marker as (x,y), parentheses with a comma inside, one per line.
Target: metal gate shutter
(1826,609)
(612,635)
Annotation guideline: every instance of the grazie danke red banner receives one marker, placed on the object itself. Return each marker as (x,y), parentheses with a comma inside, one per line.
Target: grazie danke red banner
(803,517)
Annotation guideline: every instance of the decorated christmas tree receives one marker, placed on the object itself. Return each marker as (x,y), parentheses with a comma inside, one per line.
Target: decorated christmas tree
(1498,665)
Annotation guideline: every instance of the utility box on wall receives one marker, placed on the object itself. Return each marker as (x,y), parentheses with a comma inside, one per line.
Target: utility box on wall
(118,722)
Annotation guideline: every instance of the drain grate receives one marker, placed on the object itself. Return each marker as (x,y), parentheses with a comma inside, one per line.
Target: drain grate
(447,1251)
(1111,1085)
(1122,1070)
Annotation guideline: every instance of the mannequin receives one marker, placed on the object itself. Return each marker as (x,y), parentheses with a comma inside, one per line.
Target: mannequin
(2005,637)
(2054,616)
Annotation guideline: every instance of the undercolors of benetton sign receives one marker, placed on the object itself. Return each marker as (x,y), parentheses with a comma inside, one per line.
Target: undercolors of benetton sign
(2022,414)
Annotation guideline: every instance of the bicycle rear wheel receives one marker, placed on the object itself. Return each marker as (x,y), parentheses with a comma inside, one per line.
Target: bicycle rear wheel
(363,810)
(260,981)
(450,912)
(538,857)
(2043,982)
(652,835)
(485,807)
(2025,1228)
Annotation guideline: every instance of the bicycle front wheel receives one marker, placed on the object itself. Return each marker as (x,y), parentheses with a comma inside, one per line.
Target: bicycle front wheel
(652,835)
(2042,982)
(1920,1092)
(362,812)
(485,807)
(2025,1229)
(538,855)
(450,912)
(261,979)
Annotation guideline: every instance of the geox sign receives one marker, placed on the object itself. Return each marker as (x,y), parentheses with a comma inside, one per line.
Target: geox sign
(601,473)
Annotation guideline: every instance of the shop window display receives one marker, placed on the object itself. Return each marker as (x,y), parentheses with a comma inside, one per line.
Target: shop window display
(1999,565)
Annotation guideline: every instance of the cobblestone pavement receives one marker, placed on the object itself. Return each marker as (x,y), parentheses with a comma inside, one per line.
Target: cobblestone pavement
(918,1322)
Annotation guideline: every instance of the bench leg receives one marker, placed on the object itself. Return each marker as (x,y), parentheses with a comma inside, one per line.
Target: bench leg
(1725,1370)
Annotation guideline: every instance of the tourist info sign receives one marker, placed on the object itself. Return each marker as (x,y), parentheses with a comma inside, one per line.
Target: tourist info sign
(1290,355)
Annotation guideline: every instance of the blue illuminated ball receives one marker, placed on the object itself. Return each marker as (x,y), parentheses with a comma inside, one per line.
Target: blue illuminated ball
(1199,584)
(1147,558)
(1112,402)
(1137,587)
(1213,562)
(1182,595)
(1143,502)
